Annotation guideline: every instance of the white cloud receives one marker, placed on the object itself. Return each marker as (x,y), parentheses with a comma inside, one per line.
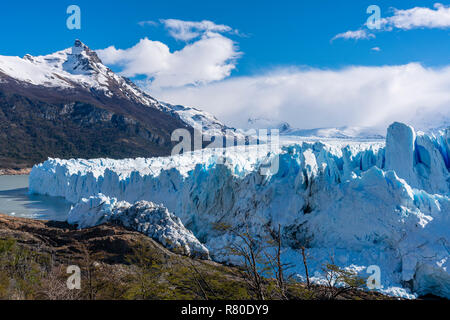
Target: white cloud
(420,17)
(210,58)
(307,98)
(188,30)
(414,18)
(147,23)
(357,35)
(311,98)
(376,49)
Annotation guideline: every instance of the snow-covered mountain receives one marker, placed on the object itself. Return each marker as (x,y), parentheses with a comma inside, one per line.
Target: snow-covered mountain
(73,68)
(431,122)
(363,203)
(80,67)
(338,133)
(347,132)
(73,100)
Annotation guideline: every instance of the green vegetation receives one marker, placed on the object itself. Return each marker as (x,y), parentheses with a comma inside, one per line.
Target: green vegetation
(148,272)
(21,271)
(25,274)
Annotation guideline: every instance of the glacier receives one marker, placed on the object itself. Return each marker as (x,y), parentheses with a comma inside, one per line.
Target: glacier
(146,217)
(359,203)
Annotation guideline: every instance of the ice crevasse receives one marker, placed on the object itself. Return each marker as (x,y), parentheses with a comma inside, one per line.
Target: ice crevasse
(363,203)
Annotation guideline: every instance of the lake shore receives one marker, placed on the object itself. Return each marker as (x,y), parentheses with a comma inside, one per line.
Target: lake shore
(15,172)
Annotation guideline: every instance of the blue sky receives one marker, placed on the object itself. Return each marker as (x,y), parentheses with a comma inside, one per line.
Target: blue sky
(272,41)
(277,32)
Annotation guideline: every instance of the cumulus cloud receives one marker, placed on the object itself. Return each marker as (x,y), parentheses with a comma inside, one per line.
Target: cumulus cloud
(357,35)
(148,23)
(420,17)
(212,57)
(407,19)
(188,30)
(311,98)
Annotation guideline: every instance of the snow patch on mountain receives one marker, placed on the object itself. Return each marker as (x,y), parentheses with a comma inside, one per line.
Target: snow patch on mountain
(362,203)
(146,217)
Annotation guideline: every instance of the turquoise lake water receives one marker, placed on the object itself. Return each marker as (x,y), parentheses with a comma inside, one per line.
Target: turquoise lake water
(16,201)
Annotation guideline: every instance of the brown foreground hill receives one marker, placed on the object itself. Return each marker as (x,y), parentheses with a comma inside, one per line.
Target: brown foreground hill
(117,263)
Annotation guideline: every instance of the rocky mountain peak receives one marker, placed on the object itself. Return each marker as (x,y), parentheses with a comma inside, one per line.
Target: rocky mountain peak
(79,44)
(82,60)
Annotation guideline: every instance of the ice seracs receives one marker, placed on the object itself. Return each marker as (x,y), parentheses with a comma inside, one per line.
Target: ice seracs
(420,159)
(146,217)
(343,199)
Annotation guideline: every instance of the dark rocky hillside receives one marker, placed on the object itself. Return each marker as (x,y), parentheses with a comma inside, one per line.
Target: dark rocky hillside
(31,130)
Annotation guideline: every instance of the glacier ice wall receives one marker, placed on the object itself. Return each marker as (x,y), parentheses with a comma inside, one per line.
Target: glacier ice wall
(422,160)
(366,204)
